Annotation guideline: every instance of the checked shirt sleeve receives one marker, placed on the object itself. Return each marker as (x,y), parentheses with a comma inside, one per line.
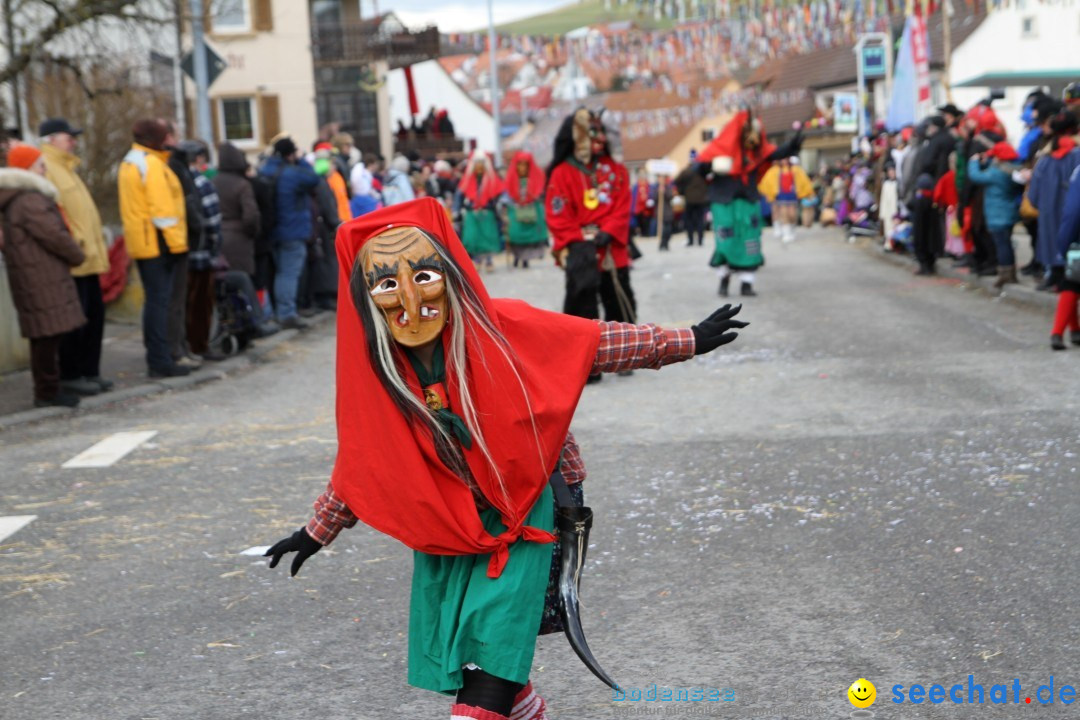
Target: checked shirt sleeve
(633,347)
(331,517)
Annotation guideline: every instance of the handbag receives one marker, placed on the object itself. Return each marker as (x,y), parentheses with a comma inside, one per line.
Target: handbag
(1072,263)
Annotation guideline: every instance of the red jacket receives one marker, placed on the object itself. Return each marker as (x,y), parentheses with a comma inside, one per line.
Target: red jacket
(945,191)
(566,213)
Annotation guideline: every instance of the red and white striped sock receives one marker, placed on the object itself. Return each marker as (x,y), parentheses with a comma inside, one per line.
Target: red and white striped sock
(528,705)
(470,712)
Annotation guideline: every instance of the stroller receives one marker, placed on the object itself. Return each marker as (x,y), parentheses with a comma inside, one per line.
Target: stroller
(235,322)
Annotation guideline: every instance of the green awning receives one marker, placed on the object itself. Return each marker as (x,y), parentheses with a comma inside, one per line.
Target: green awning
(1021,78)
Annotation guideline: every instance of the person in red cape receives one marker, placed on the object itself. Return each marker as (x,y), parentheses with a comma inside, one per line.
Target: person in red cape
(588,214)
(453,411)
(734,163)
(476,205)
(526,231)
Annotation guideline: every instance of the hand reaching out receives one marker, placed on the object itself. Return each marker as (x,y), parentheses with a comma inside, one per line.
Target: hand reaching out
(714,331)
(299,542)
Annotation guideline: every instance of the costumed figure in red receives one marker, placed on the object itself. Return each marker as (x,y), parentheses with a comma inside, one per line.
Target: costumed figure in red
(476,205)
(526,229)
(453,413)
(588,216)
(734,163)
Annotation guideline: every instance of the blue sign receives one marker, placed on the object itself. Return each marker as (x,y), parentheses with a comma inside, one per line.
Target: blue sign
(873,61)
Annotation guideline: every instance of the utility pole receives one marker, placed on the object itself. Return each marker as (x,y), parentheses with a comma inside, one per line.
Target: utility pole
(178,74)
(202,75)
(493,77)
(946,36)
(16,100)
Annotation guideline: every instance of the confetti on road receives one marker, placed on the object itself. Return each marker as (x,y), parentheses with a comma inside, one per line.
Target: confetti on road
(109,450)
(14,523)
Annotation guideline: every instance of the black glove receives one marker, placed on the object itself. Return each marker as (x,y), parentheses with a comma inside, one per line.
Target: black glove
(299,542)
(603,239)
(712,333)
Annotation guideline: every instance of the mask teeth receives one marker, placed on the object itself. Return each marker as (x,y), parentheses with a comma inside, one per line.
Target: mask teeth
(425,312)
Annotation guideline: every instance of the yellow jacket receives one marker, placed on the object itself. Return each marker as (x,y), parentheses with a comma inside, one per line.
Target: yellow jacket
(83,218)
(770,184)
(151,199)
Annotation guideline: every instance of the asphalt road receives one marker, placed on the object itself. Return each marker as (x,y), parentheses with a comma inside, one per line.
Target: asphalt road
(876,480)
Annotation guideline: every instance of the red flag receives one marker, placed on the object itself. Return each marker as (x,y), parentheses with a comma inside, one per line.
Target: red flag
(414,107)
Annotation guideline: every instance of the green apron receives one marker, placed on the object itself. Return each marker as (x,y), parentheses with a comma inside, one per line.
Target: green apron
(527,225)
(480,232)
(737,226)
(457,614)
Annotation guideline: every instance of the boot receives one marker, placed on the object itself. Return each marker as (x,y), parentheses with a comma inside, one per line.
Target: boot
(1032,269)
(724,282)
(1056,342)
(1005,274)
(1074,337)
(747,290)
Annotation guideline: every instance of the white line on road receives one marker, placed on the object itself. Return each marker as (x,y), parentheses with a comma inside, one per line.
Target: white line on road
(14,523)
(109,450)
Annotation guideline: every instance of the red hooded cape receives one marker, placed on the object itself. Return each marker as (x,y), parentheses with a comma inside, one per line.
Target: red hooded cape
(387,470)
(729,144)
(534,186)
(489,188)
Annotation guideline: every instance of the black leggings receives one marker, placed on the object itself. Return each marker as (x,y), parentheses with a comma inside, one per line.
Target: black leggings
(479,689)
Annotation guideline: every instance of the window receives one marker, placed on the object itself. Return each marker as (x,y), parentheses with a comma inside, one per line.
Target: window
(238,120)
(230,16)
(1028,27)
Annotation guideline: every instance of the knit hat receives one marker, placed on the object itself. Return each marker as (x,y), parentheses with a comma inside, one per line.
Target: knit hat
(23,156)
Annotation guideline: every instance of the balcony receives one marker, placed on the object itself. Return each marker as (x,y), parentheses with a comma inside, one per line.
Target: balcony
(362,42)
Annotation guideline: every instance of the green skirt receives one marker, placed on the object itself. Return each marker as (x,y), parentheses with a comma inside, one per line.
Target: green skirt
(458,615)
(480,232)
(737,226)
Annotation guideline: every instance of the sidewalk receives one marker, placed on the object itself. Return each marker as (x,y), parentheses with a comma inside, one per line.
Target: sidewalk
(1022,293)
(124,362)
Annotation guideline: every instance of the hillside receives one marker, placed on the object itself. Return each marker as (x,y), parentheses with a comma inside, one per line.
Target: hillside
(575,15)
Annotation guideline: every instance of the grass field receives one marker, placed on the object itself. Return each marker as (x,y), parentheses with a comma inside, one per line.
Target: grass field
(575,15)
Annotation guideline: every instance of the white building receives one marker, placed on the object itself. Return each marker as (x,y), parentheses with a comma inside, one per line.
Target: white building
(1018,48)
(435,87)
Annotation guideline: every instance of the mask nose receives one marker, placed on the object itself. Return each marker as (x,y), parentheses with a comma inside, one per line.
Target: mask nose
(410,300)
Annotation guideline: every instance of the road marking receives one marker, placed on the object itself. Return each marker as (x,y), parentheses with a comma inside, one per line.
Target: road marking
(14,523)
(109,450)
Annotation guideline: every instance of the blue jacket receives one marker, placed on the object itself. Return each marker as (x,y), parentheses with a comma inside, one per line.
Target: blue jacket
(1046,191)
(1000,194)
(1069,232)
(296,183)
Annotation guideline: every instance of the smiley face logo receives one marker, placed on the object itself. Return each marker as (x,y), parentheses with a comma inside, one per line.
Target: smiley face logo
(862,693)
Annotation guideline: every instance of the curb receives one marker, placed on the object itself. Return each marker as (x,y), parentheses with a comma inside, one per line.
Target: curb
(1016,294)
(208,373)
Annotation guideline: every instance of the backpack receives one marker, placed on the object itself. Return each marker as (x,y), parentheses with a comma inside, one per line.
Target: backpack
(266,187)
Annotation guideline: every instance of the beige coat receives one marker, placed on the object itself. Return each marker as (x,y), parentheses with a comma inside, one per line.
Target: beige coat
(79,208)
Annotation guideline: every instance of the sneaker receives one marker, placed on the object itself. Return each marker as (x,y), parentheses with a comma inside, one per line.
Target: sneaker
(294,322)
(176,370)
(267,329)
(61,400)
(80,386)
(105,385)
(191,362)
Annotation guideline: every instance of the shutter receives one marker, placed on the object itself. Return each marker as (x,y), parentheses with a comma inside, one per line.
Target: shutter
(217,135)
(269,117)
(264,15)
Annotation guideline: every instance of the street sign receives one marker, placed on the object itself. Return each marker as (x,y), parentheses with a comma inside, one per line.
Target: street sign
(215,65)
(665,167)
(873,61)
